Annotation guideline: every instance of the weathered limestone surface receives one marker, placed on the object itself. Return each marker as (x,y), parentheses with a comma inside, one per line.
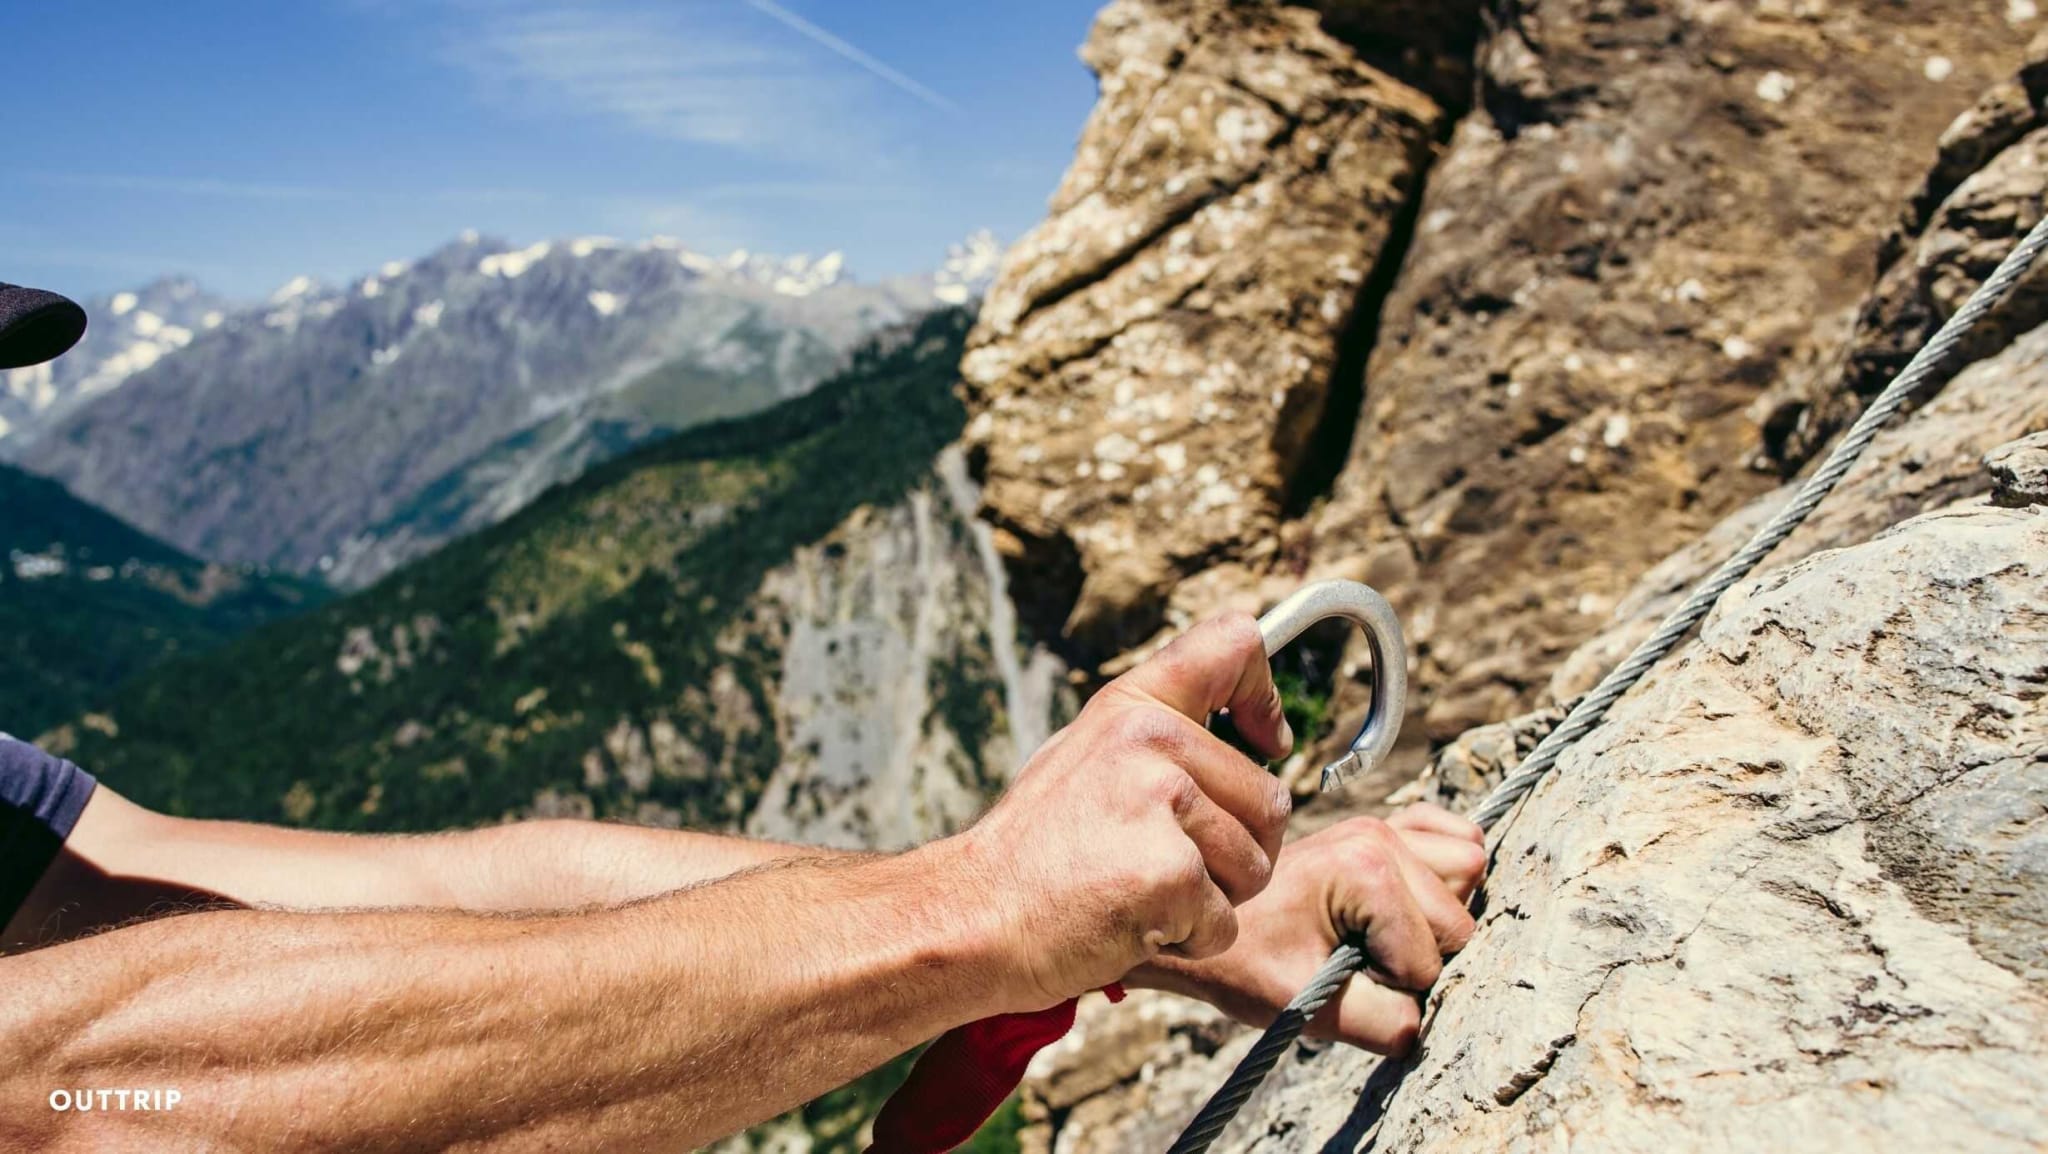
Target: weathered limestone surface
(1151,366)
(1795,893)
(1865,719)
(1795,887)
(2019,472)
(1656,211)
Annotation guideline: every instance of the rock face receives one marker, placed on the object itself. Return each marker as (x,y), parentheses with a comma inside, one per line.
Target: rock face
(1982,195)
(1798,879)
(1651,214)
(1794,892)
(1151,368)
(1656,211)
(903,702)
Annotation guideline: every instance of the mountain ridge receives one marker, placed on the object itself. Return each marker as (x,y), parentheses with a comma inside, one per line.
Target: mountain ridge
(297,432)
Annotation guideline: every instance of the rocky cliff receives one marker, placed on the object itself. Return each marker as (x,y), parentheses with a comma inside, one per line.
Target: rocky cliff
(1580,333)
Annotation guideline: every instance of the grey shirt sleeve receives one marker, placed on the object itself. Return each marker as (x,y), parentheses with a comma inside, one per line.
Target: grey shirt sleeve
(41,797)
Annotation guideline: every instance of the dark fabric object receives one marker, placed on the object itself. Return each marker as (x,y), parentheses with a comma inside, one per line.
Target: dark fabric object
(36,326)
(40,799)
(961,1081)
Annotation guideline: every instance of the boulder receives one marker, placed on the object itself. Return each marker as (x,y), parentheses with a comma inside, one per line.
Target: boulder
(1154,359)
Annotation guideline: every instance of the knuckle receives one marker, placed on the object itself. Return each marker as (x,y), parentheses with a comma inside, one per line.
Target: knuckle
(1168,785)
(1175,873)
(1279,807)
(1239,631)
(1144,728)
(1372,865)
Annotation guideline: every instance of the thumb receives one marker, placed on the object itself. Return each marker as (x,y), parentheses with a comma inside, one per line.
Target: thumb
(1219,664)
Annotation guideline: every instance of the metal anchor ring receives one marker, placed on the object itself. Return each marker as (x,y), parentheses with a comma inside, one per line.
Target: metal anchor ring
(1363,606)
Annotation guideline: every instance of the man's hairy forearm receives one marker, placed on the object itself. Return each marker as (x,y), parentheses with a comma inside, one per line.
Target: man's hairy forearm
(672,1020)
(562,864)
(123,860)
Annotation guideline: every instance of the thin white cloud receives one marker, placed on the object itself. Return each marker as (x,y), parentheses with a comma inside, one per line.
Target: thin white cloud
(696,71)
(812,32)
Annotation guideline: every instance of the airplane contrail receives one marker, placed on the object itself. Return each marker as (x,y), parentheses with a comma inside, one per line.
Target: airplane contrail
(810,31)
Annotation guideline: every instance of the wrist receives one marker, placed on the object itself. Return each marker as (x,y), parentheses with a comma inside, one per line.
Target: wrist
(985,931)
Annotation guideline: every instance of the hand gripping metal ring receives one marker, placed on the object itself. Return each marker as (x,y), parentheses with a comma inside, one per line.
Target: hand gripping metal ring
(1363,606)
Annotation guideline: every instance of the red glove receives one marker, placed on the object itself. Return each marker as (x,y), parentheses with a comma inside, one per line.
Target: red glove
(965,1077)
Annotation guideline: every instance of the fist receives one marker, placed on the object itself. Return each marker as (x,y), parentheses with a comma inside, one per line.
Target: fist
(1402,883)
(1134,832)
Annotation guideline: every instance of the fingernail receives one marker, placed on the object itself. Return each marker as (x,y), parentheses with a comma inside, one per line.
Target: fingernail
(1286,736)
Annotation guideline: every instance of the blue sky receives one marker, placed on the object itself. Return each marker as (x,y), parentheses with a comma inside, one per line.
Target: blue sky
(244,142)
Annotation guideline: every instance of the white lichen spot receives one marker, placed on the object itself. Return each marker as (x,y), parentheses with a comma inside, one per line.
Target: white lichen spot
(122,304)
(1736,349)
(1110,471)
(2020,11)
(1578,455)
(1173,458)
(1938,68)
(212,319)
(429,315)
(1775,87)
(605,303)
(1589,604)
(1573,363)
(1615,431)
(1237,127)
(1438,221)
(1692,291)
(1116,448)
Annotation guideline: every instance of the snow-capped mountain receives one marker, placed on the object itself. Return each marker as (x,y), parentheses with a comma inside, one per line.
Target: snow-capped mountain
(127,333)
(345,429)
